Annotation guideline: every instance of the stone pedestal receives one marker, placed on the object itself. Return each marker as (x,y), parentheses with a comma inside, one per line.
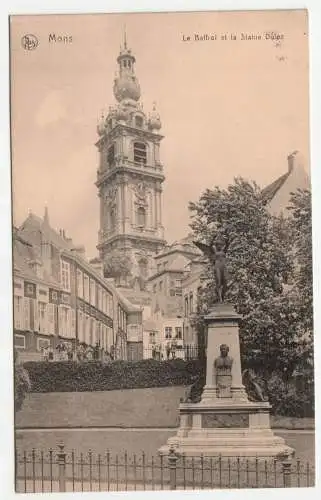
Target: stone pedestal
(227,426)
(227,429)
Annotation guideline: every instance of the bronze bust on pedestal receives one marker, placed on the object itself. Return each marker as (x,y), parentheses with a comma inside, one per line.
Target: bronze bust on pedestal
(223,372)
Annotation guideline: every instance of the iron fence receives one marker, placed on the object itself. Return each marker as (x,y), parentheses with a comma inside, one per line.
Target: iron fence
(59,470)
(186,352)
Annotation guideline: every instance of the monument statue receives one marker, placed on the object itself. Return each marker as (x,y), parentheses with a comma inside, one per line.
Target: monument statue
(223,372)
(253,388)
(216,254)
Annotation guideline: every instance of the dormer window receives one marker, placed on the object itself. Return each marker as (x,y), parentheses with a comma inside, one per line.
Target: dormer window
(140,153)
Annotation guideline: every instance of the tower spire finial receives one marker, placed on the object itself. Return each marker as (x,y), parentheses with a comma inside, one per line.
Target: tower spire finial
(46,214)
(125,37)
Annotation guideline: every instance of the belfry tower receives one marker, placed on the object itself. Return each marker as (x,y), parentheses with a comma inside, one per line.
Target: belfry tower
(129,181)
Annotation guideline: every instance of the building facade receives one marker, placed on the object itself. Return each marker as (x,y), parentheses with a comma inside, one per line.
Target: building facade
(61,297)
(129,182)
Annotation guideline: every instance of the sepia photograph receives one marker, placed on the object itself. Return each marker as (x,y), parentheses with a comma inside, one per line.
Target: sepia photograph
(161,251)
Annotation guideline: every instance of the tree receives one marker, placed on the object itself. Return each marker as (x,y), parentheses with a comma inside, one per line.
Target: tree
(260,265)
(117,265)
(22,384)
(300,223)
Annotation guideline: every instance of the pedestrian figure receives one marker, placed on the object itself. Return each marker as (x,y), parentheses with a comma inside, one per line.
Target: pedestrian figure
(173,348)
(50,353)
(61,349)
(69,353)
(168,350)
(45,353)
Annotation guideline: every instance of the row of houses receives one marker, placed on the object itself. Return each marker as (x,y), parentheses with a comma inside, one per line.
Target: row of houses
(61,297)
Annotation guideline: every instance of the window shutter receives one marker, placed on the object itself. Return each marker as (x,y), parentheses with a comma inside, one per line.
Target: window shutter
(36,315)
(26,313)
(51,319)
(79,318)
(45,325)
(87,330)
(73,323)
(60,320)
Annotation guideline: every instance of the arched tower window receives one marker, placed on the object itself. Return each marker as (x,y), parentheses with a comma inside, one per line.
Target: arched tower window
(139,123)
(113,217)
(140,153)
(143,268)
(141,217)
(111,155)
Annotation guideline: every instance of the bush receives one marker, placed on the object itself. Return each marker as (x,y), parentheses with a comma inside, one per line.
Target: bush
(288,400)
(70,376)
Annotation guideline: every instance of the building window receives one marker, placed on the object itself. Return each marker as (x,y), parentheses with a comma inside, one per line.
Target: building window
(112,217)
(80,284)
(154,288)
(99,295)
(111,155)
(191,303)
(152,337)
(159,268)
(168,332)
(172,292)
(103,301)
(42,344)
(42,317)
(141,217)
(19,341)
(64,321)
(178,332)
(160,286)
(51,318)
(26,313)
(186,306)
(18,312)
(110,305)
(178,283)
(140,153)
(92,292)
(165,264)
(86,288)
(65,275)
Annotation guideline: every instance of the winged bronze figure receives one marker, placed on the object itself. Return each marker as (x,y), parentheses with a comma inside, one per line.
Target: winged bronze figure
(216,254)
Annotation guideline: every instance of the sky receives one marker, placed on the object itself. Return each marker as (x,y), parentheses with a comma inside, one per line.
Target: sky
(228,107)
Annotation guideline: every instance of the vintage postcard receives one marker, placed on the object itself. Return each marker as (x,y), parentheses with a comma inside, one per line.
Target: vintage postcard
(162,251)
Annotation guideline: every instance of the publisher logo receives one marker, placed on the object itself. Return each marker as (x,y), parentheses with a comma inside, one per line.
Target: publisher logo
(29,42)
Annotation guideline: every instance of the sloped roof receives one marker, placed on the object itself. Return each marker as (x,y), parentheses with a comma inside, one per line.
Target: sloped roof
(178,264)
(35,223)
(270,191)
(23,254)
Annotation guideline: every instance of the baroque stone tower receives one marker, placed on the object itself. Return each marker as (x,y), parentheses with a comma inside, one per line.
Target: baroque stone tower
(129,181)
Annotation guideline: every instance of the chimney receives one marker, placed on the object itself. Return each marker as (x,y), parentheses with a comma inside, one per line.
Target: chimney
(295,160)
(79,250)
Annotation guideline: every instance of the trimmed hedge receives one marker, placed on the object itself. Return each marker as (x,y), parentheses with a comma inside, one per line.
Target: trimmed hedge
(70,376)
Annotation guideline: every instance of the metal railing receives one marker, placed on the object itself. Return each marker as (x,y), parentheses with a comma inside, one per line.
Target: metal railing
(186,352)
(53,471)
